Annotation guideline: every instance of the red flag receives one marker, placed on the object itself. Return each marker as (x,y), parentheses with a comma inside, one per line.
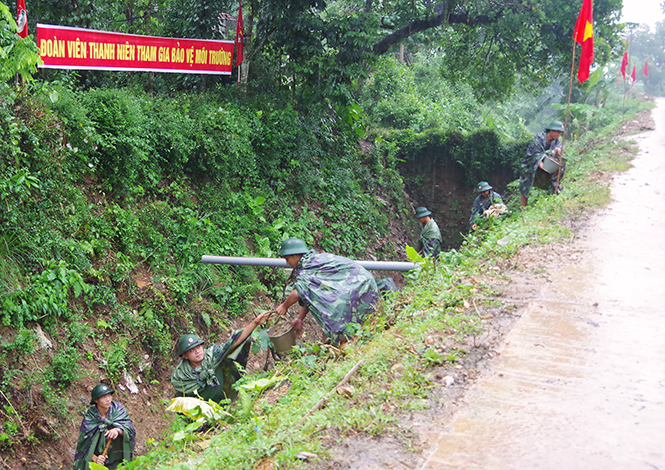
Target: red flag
(584,36)
(633,75)
(22,19)
(240,35)
(624,64)
(646,68)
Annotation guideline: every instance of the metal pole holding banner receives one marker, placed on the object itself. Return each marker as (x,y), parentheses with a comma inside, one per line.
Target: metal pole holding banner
(281,263)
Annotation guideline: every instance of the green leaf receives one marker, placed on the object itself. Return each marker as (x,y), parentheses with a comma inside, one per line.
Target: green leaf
(262,384)
(413,255)
(190,406)
(179,436)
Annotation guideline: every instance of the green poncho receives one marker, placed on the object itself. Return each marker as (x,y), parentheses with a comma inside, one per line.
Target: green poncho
(480,205)
(532,175)
(214,378)
(430,239)
(92,441)
(337,291)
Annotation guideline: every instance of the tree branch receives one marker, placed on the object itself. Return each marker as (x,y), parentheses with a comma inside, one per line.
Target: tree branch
(324,400)
(416,26)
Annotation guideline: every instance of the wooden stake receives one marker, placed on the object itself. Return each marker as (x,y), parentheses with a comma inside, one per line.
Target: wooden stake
(323,400)
(106,449)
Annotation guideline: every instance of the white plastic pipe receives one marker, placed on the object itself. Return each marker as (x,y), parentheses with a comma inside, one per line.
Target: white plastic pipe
(281,263)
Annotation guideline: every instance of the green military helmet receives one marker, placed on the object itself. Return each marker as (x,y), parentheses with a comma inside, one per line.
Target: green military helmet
(422,212)
(483,186)
(99,391)
(293,246)
(555,126)
(187,342)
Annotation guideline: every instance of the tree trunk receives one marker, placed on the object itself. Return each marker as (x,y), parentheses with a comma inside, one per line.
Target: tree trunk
(244,71)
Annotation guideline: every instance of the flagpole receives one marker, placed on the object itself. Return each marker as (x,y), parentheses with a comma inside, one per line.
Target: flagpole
(240,39)
(570,91)
(565,118)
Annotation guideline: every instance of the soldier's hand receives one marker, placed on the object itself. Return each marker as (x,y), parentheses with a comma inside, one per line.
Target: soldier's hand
(261,319)
(297,324)
(112,433)
(99,459)
(280,309)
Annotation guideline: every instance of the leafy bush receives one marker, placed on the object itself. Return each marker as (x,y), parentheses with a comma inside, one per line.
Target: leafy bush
(24,342)
(403,96)
(19,56)
(478,154)
(47,295)
(64,369)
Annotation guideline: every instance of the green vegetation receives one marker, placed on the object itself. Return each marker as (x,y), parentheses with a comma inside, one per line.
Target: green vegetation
(431,324)
(16,57)
(325,49)
(398,359)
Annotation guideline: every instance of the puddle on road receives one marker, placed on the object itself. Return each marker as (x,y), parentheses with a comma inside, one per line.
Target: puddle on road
(580,382)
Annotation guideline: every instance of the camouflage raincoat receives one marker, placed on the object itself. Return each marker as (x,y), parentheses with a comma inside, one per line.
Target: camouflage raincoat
(535,153)
(338,291)
(430,239)
(214,378)
(92,441)
(480,205)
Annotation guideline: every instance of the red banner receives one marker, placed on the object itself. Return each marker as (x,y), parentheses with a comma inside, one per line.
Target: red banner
(63,47)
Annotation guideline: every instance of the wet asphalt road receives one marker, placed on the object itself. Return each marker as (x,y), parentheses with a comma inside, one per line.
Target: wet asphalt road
(580,382)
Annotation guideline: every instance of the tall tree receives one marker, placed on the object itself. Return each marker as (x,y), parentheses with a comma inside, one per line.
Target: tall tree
(488,43)
(321,48)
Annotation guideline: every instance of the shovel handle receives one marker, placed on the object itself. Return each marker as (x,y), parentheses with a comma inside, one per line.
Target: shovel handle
(106,449)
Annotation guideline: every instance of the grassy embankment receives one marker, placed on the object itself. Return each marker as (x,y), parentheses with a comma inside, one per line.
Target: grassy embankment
(398,360)
(109,198)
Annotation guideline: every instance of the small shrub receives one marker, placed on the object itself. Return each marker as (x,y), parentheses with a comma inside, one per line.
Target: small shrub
(25,342)
(64,369)
(116,358)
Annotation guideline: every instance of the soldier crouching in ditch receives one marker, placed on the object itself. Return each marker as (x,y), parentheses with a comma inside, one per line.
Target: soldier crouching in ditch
(430,235)
(338,291)
(486,199)
(107,434)
(210,373)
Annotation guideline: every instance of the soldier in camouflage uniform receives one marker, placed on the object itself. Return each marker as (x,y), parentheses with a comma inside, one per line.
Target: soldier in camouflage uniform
(210,373)
(485,199)
(338,291)
(546,143)
(430,236)
(105,420)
